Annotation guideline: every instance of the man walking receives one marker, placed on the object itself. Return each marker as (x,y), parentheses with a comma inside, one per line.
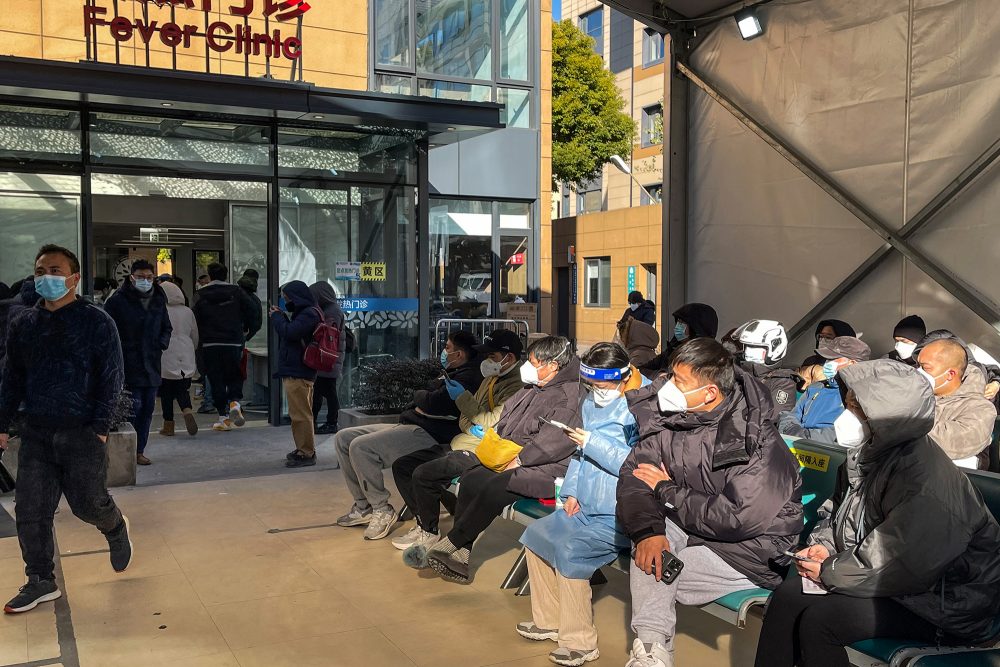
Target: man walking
(139,310)
(64,363)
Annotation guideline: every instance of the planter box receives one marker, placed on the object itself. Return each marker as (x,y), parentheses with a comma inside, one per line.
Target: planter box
(350,417)
(121,456)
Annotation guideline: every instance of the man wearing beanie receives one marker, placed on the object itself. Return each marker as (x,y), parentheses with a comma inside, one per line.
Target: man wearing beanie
(906,335)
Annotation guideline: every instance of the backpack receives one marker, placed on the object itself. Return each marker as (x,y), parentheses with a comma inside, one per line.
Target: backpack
(323,351)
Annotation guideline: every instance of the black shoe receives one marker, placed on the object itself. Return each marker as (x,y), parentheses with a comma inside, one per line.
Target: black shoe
(32,594)
(206,409)
(326,429)
(121,547)
(300,461)
(291,455)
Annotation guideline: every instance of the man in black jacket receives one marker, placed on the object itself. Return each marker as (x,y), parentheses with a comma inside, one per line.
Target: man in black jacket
(64,363)
(139,310)
(639,308)
(710,481)
(430,421)
(692,320)
(226,319)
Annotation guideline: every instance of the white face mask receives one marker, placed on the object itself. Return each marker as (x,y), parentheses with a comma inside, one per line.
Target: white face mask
(850,430)
(605,397)
(633,307)
(755,355)
(672,399)
(931,379)
(905,350)
(529,374)
(490,368)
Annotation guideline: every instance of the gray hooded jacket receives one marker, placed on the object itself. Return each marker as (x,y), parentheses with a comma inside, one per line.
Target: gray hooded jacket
(909,525)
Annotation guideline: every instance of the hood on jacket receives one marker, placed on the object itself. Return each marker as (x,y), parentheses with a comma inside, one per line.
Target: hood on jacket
(840,328)
(941,334)
(640,334)
(568,373)
(297,293)
(701,319)
(896,399)
(175,297)
(324,293)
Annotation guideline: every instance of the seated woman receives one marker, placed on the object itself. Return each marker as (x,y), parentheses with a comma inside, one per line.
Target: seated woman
(566,547)
(552,373)
(909,552)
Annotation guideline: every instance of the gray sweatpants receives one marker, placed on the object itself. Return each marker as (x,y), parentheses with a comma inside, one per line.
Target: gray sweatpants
(705,578)
(365,451)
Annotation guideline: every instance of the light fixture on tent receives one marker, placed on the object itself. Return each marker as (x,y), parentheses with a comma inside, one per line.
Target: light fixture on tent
(623,167)
(748,23)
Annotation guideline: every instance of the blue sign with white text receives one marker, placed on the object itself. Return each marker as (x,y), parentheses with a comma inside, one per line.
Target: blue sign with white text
(631,279)
(369,304)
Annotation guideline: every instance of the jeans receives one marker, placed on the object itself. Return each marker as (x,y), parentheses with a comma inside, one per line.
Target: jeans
(174,390)
(222,365)
(54,462)
(326,388)
(423,479)
(482,495)
(143,405)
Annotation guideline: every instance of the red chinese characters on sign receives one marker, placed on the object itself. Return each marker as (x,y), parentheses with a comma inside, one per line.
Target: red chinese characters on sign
(517,259)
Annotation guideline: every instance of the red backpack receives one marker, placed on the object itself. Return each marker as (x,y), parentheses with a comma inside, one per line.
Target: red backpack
(323,351)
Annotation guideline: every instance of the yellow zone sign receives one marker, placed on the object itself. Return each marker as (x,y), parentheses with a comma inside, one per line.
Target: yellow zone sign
(812,460)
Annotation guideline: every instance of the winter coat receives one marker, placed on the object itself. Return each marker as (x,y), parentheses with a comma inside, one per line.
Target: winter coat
(546,448)
(780,382)
(144,332)
(249,285)
(485,407)
(592,477)
(910,525)
(332,313)
(65,366)
(432,408)
(178,361)
(640,340)
(894,356)
(963,421)
(294,329)
(645,313)
(225,314)
(702,321)
(734,485)
(814,413)
(10,307)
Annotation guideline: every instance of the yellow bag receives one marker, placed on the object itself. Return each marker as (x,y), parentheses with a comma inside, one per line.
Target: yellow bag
(495,453)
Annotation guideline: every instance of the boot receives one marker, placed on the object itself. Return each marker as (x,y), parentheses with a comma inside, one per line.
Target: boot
(189,422)
(168,428)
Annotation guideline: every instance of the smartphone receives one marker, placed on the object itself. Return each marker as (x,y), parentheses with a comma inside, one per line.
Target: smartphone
(445,371)
(795,556)
(558,425)
(670,568)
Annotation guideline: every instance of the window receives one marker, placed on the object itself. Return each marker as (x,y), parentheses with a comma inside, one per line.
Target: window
(652,47)
(453,38)
(461,258)
(517,106)
(621,32)
(652,125)
(592,23)
(564,202)
(598,282)
(448,90)
(656,190)
(589,197)
(392,33)
(650,281)
(514,39)
(390,83)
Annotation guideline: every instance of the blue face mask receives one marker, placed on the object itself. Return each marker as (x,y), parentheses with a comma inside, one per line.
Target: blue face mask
(444,358)
(680,331)
(143,285)
(830,369)
(51,288)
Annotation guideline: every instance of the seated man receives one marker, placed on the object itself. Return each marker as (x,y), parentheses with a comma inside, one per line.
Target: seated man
(554,394)
(710,481)
(963,416)
(692,320)
(827,330)
(908,333)
(423,477)
(764,344)
(432,419)
(822,403)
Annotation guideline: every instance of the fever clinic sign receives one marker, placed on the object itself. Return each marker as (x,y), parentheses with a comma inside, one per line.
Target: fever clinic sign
(234,34)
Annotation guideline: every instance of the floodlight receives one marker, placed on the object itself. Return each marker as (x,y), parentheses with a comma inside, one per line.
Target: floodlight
(748,23)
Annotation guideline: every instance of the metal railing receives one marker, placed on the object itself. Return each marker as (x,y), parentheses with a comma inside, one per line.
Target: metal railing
(480,328)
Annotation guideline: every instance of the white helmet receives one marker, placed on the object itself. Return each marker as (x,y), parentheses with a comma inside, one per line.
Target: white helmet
(767,336)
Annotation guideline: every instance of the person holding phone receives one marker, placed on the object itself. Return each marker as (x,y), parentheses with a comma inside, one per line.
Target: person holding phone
(711,483)
(908,549)
(565,548)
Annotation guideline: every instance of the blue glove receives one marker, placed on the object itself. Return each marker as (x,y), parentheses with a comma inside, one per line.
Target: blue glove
(477,431)
(455,389)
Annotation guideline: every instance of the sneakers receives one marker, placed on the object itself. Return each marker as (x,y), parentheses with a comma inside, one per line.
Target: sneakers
(326,429)
(417,535)
(654,656)
(529,630)
(381,523)
(572,657)
(222,425)
(32,594)
(236,414)
(356,517)
(120,545)
(300,460)
(190,423)
(452,564)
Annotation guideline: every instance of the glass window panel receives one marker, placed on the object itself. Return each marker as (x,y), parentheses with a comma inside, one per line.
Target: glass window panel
(449,90)
(396,85)
(597,285)
(454,38)
(651,194)
(248,250)
(590,197)
(392,32)
(652,47)
(515,255)
(121,139)
(461,235)
(592,23)
(517,106)
(515,215)
(514,39)
(652,125)
(36,209)
(340,153)
(29,134)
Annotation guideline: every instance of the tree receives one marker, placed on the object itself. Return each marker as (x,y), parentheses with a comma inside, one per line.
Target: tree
(588,124)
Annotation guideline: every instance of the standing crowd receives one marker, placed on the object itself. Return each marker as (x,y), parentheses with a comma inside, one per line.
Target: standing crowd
(676,459)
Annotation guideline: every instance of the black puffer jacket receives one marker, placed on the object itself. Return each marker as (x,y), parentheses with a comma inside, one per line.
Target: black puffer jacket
(909,525)
(702,321)
(734,486)
(225,315)
(439,412)
(779,381)
(10,307)
(144,331)
(547,449)
(645,313)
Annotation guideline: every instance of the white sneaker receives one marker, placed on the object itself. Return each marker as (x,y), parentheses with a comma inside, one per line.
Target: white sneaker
(222,425)
(236,414)
(655,656)
(382,522)
(417,535)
